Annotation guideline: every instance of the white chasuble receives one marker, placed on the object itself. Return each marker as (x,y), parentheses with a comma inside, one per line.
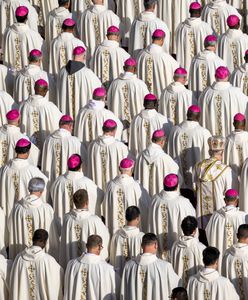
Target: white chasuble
(61,51)
(219,103)
(90,119)
(186,257)
(14,179)
(3,234)
(126,96)
(108,61)
(141,32)
(142,127)
(156,68)
(216,12)
(222,228)
(7,15)
(125,245)
(39,118)
(5,269)
(175,101)
(93,24)
(90,277)
(19,40)
(75,88)
(57,148)
(211,180)
(232,46)
(35,275)
(122,192)
(202,71)
(166,213)
(207,284)
(29,214)
(236,150)
(239,78)
(151,167)
(78,6)
(7,77)
(25,81)
(235,268)
(187,145)
(104,157)
(9,136)
(147,277)
(66,185)
(7,103)
(78,225)
(190,36)
(54,23)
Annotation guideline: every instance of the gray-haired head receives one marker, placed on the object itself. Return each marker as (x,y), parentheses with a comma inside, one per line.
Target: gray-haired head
(36,185)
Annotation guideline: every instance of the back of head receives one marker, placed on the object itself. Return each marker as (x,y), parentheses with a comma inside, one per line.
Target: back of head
(21,14)
(36,184)
(195,10)
(93,241)
(80,198)
(149,239)
(189,225)
(179,293)
(40,238)
(150,4)
(242,232)
(210,256)
(63,2)
(132,213)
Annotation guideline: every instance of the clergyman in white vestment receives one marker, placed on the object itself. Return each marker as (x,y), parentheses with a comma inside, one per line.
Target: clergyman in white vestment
(66,185)
(211,179)
(186,252)
(143,27)
(153,164)
(236,149)
(239,77)
(168,209)
(7,103)
(190,36)
(78,225)
(235,262)
(121,192)
(147,276)
(5,269)
(126,242)
(89,276)
(36,274)
(208,283)
(29,214)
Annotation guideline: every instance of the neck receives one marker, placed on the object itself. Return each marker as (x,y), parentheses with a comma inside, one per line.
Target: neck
(93,251)
(132,223)
(22,156)
(214,267)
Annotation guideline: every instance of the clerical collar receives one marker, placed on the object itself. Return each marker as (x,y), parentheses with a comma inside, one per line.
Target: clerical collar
(96,104)
(82,209)
(74,66)
(208,270)
(230,207)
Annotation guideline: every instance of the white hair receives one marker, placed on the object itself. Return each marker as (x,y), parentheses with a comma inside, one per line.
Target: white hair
(36,184)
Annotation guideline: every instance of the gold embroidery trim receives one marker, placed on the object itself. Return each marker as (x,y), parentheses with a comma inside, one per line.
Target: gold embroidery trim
(185,270)
(18,54)
(125,252)
(144,283)
(57,160)
(126,103)
(90,127)
(29,223)
(62,56)
(105,70)
(84,273)
(143,31)
(173,103)
(245,85)
(104,169)
(71,79)
(4,152)
(149,80)
(239,276)
(229,234)
(234,54)
(184,146)
(36,127)
(148,132)
(78,233)
(32,283)
(121,211)
(216,23)
(204,80)
(69,189)
(15,178)
(191,36)
(95,21)
(164,214)
(207,295)
(218,105)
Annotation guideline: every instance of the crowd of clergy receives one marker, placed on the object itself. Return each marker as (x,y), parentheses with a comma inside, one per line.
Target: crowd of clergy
(123,150)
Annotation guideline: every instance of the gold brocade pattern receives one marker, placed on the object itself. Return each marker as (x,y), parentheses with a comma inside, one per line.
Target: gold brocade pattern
(216,23)
(143,31)
(173,103)
(15,178)
(7,13)
(71,79)
(29,223)
(36,128)
(57,159)
(78,233)
(4,152)
(239,148)
(185,270)
(234,54)
(144,283)
(204,79)
(149,69)
(87,3)
(84,274)
(95,21)
(245,85)
(28,85)
(89,117)
(229,235)
(32,283)
(104,169)
(207,295)
(40,14)
(17,54)
(125,252)
(121,210)
(164,214)
(105,69)
(218,105)
(239,276)
(62,54)
(191,36)
(184,148)
(148,132)
(69,189)
(151,166)
(136,7)
(126,103)
(58,27)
